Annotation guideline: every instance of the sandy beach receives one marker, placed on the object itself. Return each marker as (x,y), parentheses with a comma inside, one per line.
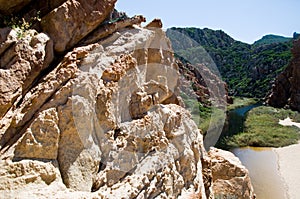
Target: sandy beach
(289,164)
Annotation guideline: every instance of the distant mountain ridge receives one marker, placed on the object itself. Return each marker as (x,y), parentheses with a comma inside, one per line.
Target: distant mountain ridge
(249,70)
(271,39)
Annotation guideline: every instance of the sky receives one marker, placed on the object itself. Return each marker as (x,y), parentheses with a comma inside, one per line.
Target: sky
(244,20)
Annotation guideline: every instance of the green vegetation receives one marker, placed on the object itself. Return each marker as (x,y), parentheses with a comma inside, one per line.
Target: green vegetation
(248,70)
(204,116)
(263,130)
(214,120)
(271,39)
(20,24)
(200,113)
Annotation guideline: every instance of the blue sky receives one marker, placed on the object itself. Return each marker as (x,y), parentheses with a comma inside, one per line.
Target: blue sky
(244,20)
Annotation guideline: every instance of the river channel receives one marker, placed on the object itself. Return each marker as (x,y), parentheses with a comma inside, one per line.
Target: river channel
(262,163)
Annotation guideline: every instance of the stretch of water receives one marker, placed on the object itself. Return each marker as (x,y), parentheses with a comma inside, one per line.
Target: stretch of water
(262,163)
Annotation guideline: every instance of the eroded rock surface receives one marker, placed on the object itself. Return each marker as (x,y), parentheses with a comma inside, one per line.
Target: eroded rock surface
(22,61)
(110,28)
(74,19)
(228,177)
(104,120)
(85,116)
(207,86)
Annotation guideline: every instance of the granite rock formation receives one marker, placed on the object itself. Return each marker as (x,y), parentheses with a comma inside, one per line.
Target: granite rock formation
(102,121)
(286,90)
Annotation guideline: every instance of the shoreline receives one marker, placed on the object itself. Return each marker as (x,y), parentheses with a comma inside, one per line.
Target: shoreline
(289,169)
(262,164)
(289,164)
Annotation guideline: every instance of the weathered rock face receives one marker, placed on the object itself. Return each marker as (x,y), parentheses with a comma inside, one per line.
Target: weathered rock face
(286,90)
(86,117)
(21,63)
(104,121)
(108,29)
(74,19)
(226,176)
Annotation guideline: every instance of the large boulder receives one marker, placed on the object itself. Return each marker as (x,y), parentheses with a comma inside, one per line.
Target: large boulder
(74,19)
(228,178)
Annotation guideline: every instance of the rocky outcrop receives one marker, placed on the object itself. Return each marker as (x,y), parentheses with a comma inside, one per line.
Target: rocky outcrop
(102,121)
(74,19)
(226,176)
(286,90)
(155,23)
(110,28)
(119,148)
(21,63)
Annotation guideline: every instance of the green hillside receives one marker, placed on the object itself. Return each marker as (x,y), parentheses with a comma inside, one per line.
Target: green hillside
(272,39)
(247,69)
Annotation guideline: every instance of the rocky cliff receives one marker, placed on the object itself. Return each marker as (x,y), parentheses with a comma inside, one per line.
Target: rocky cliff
(92,110)
(286,90)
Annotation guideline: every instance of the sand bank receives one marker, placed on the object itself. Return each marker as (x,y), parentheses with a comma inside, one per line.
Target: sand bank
(289,164)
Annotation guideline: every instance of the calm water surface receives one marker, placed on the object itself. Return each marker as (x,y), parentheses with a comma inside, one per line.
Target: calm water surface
(263,169)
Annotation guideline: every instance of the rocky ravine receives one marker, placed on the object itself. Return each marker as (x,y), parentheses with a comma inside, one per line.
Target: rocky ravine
(105,121)
(286,90)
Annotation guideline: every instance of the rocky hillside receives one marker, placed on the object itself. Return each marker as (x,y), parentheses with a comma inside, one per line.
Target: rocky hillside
(286,90)
(248,70)
(90,107)
(207,87)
